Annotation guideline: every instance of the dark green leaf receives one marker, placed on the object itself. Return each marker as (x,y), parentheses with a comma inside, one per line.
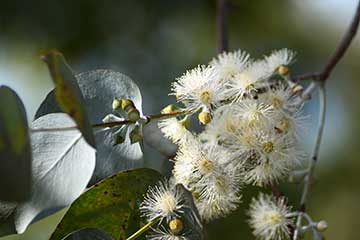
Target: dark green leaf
(68,93)
(88,234)
(99,88)
(111,205)
(15,151)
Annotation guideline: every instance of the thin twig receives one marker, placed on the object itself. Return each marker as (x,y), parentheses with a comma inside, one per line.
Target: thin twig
(314,156)
(221,25)
(112,124)
(97,125)
(339,52)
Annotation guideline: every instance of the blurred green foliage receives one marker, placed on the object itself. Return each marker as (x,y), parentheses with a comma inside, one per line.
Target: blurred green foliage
(156,41)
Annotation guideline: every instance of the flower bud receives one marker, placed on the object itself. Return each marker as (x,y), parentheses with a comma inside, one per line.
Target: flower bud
(321,226)
(176,226)
(297,89)
(204,117)
(126,104)
(136,134)
(169,109)
(283,70)
(116,104)
(133,114)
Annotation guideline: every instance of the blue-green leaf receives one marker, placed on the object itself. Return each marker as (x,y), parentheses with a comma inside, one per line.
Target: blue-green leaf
(99,88)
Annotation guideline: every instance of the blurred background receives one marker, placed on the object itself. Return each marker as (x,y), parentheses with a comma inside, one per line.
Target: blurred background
(156,41)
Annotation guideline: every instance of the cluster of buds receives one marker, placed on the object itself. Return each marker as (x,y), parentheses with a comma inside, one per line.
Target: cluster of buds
(125,110)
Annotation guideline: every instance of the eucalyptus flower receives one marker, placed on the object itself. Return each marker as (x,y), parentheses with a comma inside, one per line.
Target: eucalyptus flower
(229,64)
(280,58)
(162,201)
(270,218)
(199,88)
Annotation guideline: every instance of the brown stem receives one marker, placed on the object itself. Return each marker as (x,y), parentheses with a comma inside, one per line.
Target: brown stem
(339,52)
(221,22)
(113,124)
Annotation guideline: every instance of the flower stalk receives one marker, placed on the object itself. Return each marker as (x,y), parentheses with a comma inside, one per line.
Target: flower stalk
(144,229)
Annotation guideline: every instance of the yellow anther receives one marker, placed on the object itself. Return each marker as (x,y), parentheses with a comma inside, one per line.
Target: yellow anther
(268,147)
(206,166)
(205,97)
(277,102)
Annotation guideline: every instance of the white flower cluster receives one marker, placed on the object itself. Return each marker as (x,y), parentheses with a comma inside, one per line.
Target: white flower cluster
(252,113)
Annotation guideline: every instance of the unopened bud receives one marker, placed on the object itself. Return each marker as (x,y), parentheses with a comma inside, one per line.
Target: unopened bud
(297,176)
(136,134)
(116,104)
(204,117)
(133,114)
(283,70)
(176,226)
(126,104)
(321,226)
(169,109)
(297,89)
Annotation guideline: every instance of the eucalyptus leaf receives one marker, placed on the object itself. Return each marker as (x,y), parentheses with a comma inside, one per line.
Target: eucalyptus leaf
(68,93)
(99,88)
(111,205)
(63,165)
(15,151)
(88,234)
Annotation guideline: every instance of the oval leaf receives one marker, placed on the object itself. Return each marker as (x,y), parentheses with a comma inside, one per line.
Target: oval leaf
(63,165)
(15,151)
(99,88)
(88,234)
(111,205)
(68,93)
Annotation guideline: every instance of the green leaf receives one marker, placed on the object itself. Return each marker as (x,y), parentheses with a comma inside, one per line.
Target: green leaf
(88,234)
(68,93)
(15,151)
(111,205)
(99,88)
